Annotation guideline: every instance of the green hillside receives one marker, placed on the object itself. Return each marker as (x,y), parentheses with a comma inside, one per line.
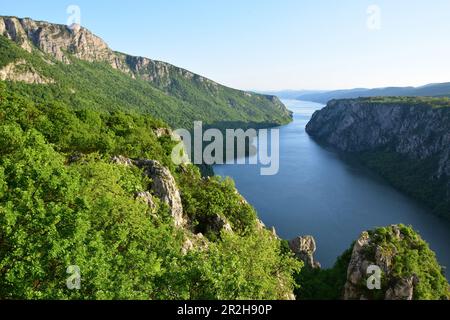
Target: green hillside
(97,85)
(63,202)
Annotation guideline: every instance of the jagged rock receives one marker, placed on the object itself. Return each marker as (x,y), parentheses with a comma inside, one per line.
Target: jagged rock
(366,252)
(403,290)
(274,232)
(163,185)
(56,40)
(21,71)
(304,248)
(12,29)
(357,268)
(147,197)
(260,225)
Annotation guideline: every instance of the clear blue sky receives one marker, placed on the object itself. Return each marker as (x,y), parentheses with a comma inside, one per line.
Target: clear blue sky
(273,44)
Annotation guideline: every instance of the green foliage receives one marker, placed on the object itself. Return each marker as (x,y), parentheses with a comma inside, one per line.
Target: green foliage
(204,198)
(430,102)
(412,257)
(8,52)
(249,267)
(323,284)
(54,215)
(63,203)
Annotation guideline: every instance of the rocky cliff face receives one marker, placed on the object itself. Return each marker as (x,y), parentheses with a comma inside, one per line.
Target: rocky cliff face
(415,129)
(62,42)
(56,40)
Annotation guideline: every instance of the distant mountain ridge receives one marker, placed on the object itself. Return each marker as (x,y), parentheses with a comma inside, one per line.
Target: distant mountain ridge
(430,90)
(198,98)
(291,94)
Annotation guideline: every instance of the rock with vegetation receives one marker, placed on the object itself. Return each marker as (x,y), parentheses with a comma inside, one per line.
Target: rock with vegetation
(304,248)
(406,140)
(20,71)
(67,198)
(164,186)
(409,269)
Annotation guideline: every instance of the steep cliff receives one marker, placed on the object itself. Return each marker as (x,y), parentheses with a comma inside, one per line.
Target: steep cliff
(197,95)
(407,140)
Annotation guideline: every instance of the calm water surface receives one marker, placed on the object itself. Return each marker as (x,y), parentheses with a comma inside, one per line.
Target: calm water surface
(317,193)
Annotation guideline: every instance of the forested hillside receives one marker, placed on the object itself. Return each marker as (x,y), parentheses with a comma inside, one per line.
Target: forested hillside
(80,69)
(64,201)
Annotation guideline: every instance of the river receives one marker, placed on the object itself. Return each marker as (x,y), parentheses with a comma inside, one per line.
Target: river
(317,193)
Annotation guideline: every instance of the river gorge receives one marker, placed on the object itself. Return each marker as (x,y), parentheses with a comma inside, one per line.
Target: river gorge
(317,192)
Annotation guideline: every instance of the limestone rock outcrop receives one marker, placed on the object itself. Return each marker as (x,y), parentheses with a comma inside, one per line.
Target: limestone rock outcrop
(367,252)
(216,224)
(194,242)
(20,71)
(163,185)
(147,198)
(304,248)
(402,290)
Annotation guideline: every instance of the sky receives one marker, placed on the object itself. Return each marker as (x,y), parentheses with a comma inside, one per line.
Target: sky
(273,44)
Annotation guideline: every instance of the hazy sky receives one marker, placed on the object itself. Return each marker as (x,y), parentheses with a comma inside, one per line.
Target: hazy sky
(273,44)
